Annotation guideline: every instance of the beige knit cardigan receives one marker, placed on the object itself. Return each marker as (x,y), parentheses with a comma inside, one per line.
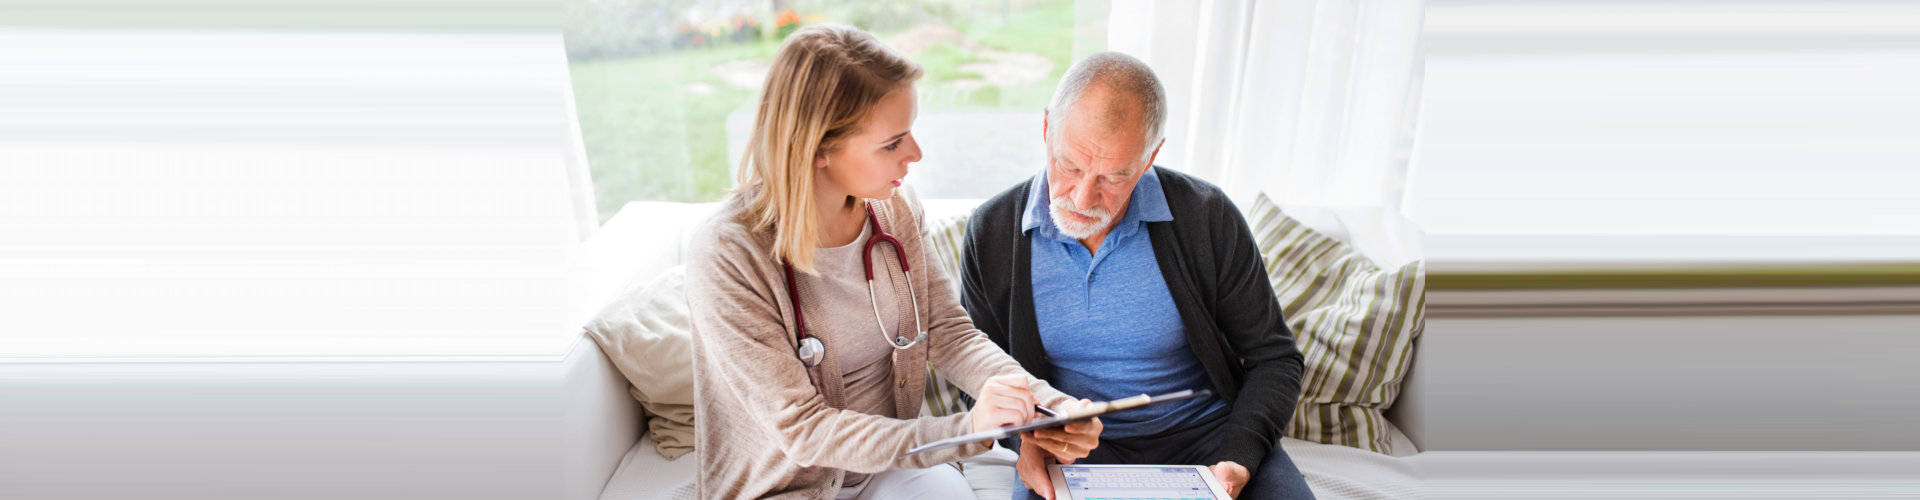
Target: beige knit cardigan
(768,426)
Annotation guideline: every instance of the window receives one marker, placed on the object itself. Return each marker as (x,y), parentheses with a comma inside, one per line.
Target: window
(330,191)
(1743,130)
(666,90)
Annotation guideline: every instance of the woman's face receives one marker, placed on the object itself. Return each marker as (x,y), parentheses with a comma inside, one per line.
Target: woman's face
(871,162)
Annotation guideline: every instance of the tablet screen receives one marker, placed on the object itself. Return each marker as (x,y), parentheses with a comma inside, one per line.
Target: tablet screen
(1158,483)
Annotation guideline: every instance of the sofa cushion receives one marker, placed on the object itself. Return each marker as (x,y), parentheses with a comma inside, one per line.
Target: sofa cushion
(1336,472)
(1333,472)
(991,473)
(644,475)
(1354,321)
(645,331)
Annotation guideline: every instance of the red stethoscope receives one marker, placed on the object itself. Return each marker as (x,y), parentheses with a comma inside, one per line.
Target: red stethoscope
(811,351)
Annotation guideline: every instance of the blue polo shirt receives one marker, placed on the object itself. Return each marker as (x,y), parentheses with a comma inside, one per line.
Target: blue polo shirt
(1107,320)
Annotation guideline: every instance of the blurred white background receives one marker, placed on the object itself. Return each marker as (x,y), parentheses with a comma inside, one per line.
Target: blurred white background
(340,187)
(1689,131)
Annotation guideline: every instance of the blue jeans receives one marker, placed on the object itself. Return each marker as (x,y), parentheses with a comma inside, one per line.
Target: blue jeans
(1277,479)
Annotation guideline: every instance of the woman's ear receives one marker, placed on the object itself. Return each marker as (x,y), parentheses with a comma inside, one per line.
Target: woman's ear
(820,160)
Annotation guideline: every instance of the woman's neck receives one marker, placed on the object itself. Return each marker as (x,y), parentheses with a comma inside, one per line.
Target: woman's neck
(840,219)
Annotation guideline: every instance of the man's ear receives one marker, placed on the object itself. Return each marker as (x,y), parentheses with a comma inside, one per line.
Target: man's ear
(1155,156)
(1044,123)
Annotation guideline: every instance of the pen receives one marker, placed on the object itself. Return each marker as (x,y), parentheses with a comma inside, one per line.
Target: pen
(1045,411)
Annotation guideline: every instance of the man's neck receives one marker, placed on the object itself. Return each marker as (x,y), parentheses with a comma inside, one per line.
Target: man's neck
(1093,242)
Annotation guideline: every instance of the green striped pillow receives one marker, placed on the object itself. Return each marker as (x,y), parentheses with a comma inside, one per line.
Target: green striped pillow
(943,398)
(1354,322)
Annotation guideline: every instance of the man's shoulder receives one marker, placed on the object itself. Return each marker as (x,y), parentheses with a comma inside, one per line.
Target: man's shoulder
(1185,191)
(1000,214)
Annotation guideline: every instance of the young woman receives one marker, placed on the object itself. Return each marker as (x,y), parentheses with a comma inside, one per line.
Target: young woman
(816,309)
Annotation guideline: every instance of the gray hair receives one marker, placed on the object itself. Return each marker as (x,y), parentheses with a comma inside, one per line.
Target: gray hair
(1117,72)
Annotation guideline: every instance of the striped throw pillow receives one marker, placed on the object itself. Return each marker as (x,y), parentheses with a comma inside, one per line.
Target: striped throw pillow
(1354,322)
(945,233)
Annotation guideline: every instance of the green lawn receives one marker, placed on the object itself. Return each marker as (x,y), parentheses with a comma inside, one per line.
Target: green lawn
(1047,30)
(648,138)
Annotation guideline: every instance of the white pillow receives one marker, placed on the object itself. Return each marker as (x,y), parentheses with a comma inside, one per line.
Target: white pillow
(647,334)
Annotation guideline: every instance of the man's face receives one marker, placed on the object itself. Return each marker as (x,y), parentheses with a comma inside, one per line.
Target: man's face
(1092,166)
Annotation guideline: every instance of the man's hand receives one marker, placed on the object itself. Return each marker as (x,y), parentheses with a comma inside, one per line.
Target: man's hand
(1232,475)
(1043,447)
(1033,469)
(1002,401)
(1070,442)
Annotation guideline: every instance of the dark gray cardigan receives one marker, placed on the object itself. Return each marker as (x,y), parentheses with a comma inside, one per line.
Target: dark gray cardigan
(1219,285)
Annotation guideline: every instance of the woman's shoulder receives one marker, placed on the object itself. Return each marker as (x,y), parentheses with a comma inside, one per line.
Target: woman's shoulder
(907,203)
(727,235)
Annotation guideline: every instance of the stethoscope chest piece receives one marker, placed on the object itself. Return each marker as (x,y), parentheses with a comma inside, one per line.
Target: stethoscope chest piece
(812,352)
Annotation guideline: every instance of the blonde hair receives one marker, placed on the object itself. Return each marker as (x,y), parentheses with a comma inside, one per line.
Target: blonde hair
(824,82)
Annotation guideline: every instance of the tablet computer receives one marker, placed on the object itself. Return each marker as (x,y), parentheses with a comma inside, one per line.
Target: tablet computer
(1158,482)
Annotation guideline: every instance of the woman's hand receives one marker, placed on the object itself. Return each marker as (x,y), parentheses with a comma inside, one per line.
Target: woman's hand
(1067,443)
(1004,400)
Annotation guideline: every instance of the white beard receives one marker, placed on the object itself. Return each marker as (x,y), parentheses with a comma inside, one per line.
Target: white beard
(1073,228)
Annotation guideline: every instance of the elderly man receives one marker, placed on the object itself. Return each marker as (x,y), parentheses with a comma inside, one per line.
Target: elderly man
(1111,277)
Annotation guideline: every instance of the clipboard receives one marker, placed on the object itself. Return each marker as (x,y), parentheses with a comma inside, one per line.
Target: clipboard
(1059,420)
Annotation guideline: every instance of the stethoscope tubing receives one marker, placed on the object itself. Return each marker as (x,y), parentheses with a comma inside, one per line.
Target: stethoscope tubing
(811,351)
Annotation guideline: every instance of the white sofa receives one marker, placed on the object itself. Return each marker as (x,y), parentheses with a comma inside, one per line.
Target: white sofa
(1453,407)
(1775,406)
(656,233)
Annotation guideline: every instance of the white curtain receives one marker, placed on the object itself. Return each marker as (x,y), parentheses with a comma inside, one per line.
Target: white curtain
(1310,101)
